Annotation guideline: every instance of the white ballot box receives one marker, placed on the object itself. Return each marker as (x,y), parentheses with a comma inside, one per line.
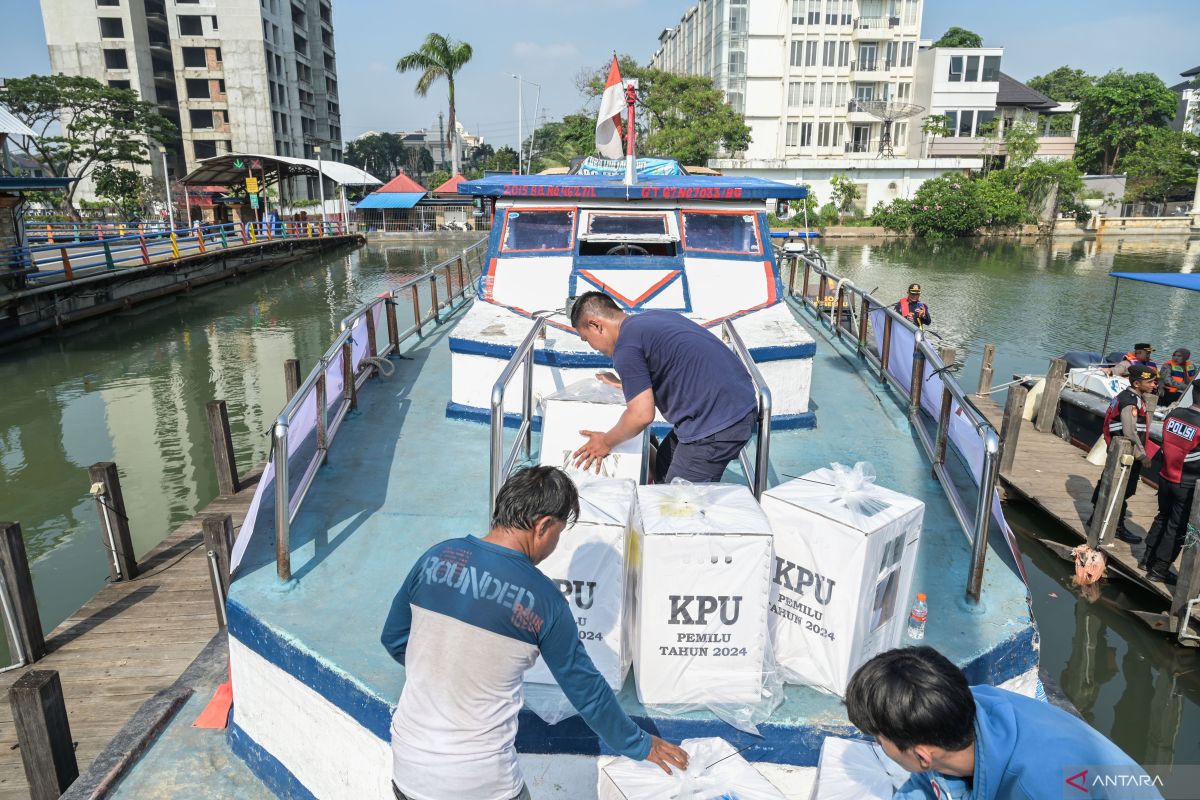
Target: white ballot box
(845,550)
(715,771)
(588,405)
(703,589)
(589,566)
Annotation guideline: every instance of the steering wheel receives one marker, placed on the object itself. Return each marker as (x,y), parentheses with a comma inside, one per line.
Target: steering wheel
(626,249)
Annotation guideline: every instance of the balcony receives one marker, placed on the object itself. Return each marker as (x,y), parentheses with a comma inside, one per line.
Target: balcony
(865,70)
(1052,148)
(856,113)
(859,148)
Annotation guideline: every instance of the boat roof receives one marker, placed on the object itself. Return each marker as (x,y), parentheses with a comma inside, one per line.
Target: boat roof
(1178,280)
(650,187)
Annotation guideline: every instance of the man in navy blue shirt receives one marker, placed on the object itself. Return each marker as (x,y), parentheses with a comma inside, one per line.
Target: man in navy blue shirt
(668,362)
(471,618)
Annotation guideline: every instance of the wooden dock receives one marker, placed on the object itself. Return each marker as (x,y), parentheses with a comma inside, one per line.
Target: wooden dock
(1056,476)
(130,641)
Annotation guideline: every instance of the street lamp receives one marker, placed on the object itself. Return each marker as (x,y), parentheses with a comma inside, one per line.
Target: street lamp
(520,122)
(167,184)
(320,185)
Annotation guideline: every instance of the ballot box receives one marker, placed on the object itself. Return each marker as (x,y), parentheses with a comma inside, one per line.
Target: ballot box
(715,771)
(845,549)
(704,579)
(590,568)
(588,405)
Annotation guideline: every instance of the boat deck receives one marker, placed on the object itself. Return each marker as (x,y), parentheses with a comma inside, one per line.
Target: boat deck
(401,477)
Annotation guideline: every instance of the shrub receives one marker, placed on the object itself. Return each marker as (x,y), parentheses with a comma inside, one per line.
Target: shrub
(895,216)
(828,215)
(1001,203)
(947,206)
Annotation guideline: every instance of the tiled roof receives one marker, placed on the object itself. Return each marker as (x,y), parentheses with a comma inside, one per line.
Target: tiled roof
(403,184)
(1014,93)
(450,186)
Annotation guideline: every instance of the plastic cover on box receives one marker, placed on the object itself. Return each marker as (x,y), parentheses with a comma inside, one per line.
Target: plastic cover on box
(845,553)
(854,770)
(589,405)
(701,637)
(715,772)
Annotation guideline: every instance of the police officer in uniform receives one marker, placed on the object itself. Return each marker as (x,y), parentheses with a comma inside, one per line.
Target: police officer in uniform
(911,307)
(1127,416)
(1176,489)
(1140,357)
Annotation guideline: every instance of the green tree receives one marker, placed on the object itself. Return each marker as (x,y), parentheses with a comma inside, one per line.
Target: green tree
(555,144)
(439,57)
(1065,84)
(1116,113)
(1020,143)
(844,192)
(437,178)
(1162,165)
(82,124)
(121,187)
(959,37)
(505,160)
(684,117)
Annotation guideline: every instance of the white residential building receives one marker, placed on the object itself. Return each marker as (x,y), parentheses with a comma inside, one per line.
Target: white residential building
(244,76)
(1188,117)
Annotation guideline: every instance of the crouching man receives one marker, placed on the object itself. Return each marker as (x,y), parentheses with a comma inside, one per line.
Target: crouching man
(980,742)
(465,645)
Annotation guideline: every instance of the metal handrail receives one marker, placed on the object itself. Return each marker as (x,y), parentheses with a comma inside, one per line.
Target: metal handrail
(287,503)
(757,476)
(500,464)
(926,361)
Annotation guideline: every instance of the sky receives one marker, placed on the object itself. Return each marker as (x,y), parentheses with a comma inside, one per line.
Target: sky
(549,42)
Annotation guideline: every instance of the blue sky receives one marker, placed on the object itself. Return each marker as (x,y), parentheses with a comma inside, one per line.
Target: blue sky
(551,41)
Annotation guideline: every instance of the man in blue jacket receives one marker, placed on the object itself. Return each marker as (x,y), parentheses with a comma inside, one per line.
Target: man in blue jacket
(980,742)
(471,617)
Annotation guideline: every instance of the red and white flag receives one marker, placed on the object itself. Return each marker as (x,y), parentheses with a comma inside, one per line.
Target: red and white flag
(608,124)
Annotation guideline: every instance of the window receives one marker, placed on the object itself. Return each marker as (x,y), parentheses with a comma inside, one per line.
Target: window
(842,94)
(810,93)
(837,134)
(956,69)
(217,55)
(204,149)
(723,233)
(906,54)
(826,94)
(798,12)
(810,53)
(108,2)
(115,59)
(806,129)
(194,57)
(829,54)
(910,12)
(823,134)
(900,134)
(792,134)
(864,91)
(889,55)
(985,123)
(843,54)
(120,84)
(201,119)
(737,62)
(112,28)
(991,68)
(904,91)
(951,118)
(972,69)
(215,26)
(627,224)
(221,86)
(538,230)
(797,58)
(847,11)
(795,90)
(189,25)
(966,122)
(197,89)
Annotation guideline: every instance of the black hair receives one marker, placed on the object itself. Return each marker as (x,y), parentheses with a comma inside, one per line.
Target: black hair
(597,303)
(533,493)
(911,696)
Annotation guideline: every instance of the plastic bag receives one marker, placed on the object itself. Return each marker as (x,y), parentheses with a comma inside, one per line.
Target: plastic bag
(853,770)
(716,771)
(855,488)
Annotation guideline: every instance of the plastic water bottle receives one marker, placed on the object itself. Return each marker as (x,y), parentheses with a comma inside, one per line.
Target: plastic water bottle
(916,620)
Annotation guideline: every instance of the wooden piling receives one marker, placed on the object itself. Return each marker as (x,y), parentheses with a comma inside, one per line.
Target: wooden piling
(1187,586)
(14,564)
(1010,428)
(985,371)
(218,542)
(222,446)
(291,377)
(114,522)
(348,388)
(44,734)
(949,356)
(864,315)
(393,326)
(1107,513)
(1056,378)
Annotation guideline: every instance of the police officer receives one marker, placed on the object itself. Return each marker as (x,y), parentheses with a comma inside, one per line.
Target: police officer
(1140,357)
(911,307)
(1176,489)
(1175,375)
(1127,416)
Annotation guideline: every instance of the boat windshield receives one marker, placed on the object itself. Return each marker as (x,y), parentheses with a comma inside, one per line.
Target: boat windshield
(539,230)
(721,233)
(628,224)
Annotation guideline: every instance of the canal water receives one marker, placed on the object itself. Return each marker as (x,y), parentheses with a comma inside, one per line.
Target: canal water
(132,389)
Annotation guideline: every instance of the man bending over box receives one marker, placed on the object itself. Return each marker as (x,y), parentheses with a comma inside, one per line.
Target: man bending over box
(668,362)
(471,617)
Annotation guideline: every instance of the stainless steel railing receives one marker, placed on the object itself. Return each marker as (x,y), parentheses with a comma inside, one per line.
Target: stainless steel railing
(846,309)
(502,463)
(347,364)
(758,474)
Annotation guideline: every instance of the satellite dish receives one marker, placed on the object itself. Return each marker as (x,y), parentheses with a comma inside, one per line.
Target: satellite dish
(887,112)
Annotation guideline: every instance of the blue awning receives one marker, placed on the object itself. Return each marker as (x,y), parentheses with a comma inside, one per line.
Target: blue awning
(390,200)
(1177,280)
(25,184)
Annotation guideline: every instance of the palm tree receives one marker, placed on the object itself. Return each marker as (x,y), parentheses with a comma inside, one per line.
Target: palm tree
(439,57)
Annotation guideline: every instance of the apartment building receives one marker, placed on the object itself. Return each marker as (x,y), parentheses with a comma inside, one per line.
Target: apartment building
(1187,119)
(241,76)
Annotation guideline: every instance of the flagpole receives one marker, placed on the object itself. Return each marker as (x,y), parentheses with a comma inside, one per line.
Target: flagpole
(630,158)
